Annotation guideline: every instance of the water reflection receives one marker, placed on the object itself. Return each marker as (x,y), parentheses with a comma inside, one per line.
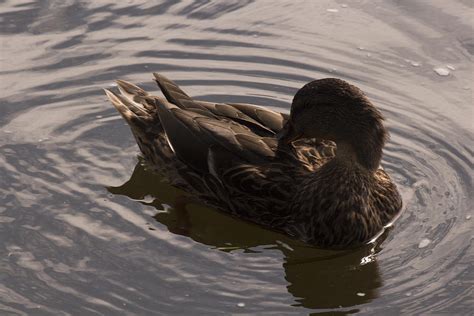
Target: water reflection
(316,278)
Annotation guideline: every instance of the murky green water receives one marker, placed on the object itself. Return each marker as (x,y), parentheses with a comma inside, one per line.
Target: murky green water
(86,230)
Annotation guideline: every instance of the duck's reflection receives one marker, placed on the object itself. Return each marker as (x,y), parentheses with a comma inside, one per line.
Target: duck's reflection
(317,278)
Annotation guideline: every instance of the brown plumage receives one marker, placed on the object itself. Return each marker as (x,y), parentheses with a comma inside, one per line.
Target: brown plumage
(281,171)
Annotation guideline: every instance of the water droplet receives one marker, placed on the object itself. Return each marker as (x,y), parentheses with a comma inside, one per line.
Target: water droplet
(442,71)
(423,243)
(333,10)
(360,294)
(241,304)
(367,259)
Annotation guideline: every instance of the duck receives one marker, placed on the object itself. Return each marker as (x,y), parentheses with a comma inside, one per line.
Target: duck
(314,174)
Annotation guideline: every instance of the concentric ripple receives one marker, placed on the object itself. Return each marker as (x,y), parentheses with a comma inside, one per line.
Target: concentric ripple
(85,228)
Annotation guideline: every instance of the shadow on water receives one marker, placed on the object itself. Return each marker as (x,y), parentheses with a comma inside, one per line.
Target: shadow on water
(316,278)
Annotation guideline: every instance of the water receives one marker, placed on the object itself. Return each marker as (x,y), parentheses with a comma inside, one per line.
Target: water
(86,230)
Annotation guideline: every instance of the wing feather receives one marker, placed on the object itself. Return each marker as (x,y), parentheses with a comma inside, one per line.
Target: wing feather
(183,136)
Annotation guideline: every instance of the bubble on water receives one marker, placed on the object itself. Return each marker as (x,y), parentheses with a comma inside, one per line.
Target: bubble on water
(442,71)
(360,294)
(423,243)
(422,190)
(333,10)
(422,184)
(241,304)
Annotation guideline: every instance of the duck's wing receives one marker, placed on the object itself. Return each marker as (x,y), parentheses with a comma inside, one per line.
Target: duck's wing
(210,143)
(262,121)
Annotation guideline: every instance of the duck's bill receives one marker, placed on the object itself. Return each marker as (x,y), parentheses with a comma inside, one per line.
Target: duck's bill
(288,134)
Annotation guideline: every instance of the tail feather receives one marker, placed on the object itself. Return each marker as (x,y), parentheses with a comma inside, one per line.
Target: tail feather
(137,108)
(117,103)
(136,95)
(130,90)
(131,111)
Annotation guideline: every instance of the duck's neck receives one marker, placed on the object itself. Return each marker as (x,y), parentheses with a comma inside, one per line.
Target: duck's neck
(364,154)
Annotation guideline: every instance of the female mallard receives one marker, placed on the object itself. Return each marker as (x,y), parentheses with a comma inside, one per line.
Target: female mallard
(281,171)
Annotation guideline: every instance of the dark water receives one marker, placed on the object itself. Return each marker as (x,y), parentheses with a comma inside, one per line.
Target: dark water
(86,230)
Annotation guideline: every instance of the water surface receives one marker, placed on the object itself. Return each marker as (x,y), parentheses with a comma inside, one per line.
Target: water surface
(85,229)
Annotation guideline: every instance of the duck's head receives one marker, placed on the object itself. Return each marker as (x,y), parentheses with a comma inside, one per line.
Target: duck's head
(333,109)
